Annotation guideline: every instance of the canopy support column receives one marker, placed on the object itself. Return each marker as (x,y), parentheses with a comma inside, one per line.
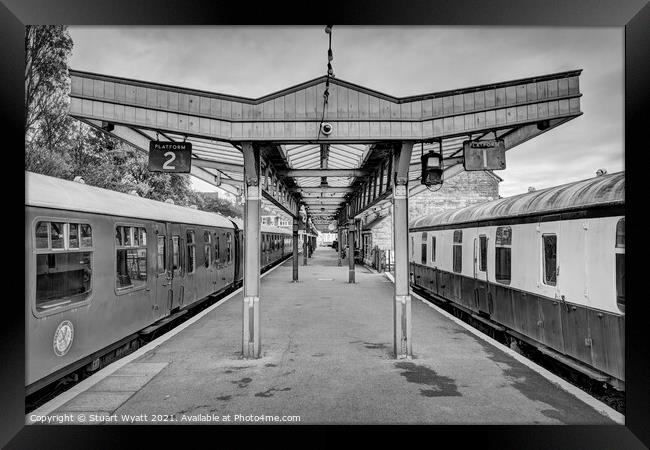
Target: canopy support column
(295,249)
(251,338)
(305,243)
(402,344)
(340,244)
(351,273)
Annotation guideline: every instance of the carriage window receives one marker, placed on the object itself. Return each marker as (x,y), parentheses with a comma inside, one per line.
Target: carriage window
(620,264)
(162,254)
(482,246)
(63,272)
(56,233)
(191,252)
(423,257)
(176,265)
(131,257)
(42,235)
(207,247)
(433,249)
(73,235)
(549,242)
(228,248)
(217,250)
(86,235)
(502,263)
(458,251)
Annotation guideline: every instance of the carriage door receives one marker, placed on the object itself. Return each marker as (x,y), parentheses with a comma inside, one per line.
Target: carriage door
(480,273)
(163,277)
(175,267)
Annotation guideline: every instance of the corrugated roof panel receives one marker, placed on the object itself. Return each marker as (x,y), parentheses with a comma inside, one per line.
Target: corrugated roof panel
(602,190)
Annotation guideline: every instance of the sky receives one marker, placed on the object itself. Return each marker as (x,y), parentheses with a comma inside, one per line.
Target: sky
(399,61)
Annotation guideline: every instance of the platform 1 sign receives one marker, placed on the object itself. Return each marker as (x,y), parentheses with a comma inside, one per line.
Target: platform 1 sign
(170,157)
(489,154)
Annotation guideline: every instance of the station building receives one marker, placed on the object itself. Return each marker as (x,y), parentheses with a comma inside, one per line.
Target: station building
(467,188)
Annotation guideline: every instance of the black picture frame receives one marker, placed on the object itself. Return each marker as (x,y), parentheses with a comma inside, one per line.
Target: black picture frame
(634,15)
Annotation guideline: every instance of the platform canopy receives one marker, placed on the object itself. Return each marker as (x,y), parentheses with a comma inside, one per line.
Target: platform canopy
(332,177)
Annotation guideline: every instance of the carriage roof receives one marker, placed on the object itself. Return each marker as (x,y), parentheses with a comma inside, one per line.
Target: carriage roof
(599,191)
(49,192)
(264,228)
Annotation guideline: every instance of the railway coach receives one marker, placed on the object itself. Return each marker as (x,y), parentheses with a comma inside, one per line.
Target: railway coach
(103,267)
(545,267)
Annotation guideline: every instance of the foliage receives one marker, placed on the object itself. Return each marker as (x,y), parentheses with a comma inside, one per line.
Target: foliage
(210,202)
(60,146)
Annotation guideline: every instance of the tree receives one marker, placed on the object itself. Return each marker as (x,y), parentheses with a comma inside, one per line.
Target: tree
(59,146)
(212,203)
(47,126)
(47,49)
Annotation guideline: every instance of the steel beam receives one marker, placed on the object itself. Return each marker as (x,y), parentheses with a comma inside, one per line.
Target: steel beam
(251,339)
(330,189)
(402,345)
(228,167)
(278,204)
(295,173)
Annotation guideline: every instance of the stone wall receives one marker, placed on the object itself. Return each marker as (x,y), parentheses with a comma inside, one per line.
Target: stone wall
(464,189)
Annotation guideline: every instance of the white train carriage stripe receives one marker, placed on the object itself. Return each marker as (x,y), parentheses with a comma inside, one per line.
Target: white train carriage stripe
(89,382)
(559,382)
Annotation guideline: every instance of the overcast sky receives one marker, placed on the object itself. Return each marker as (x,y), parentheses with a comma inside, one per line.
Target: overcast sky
(399,61)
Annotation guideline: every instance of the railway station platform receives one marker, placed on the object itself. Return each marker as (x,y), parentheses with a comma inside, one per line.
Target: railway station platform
(326,359)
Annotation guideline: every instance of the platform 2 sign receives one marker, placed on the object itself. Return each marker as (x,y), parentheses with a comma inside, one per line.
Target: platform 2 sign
(170,157)
(489,154)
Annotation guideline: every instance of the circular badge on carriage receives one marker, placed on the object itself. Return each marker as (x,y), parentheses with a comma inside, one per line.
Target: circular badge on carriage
(63,337)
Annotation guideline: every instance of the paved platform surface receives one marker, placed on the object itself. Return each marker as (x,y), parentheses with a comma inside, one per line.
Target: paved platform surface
(327,358)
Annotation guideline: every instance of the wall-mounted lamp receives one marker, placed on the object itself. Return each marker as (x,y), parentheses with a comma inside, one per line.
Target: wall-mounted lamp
(431,168)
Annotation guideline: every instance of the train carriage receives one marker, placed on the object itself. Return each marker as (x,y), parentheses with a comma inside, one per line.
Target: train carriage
(546,266)
(102,266)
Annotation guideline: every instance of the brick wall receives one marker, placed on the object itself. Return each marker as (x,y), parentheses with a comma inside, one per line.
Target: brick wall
(462,190)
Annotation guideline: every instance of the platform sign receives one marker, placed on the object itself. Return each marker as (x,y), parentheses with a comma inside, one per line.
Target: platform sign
(489,154)
(170,157)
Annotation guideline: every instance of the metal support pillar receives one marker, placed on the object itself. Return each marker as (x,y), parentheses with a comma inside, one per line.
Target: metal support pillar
(339,247)
(295,249)
(304,246)
(402,344)
(351,251)
(251,338)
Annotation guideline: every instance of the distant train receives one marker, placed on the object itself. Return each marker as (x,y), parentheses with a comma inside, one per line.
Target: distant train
(546,267)
(101,266)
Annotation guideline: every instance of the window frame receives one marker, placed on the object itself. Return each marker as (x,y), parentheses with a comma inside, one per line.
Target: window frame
(544,259)
(498,246)
(433,248)
(187,251)
(217,249)
(457,247)
(207,249)
(482,256)
(229,252)
(128,289)
(165,259)
(35,252)
(424,248)
(619,255)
